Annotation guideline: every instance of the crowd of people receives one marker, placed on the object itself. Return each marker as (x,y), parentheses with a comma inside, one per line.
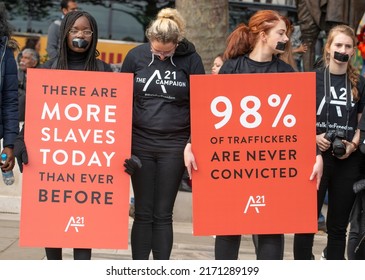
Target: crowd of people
(162,151)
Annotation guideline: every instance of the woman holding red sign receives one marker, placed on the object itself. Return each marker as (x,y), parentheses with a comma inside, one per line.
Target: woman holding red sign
(79,36)
(340,102)
(255,48)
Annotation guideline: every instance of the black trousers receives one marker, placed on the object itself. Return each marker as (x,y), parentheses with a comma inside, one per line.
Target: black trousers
(155,187)
(267,246)
(338,178)
(79,254)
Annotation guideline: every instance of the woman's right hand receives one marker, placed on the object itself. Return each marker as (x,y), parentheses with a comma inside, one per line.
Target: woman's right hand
(322,143)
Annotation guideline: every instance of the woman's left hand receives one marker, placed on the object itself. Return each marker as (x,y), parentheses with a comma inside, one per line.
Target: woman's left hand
(189,159)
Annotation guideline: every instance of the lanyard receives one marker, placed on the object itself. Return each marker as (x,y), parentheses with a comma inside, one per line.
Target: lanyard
(327,92)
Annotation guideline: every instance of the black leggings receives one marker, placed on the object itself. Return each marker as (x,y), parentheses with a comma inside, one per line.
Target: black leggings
(155,187)
(268,247)
(79,254)
(338,178)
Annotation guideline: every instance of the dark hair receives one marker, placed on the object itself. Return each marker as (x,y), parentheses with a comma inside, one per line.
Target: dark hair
(219,55)
(66,24)
(31,43)
(64,3)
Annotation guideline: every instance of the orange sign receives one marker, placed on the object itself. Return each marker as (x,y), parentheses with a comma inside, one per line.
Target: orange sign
(75,192)
(253,136)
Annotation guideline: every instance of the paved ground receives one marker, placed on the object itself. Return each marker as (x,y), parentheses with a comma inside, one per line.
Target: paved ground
(186,246)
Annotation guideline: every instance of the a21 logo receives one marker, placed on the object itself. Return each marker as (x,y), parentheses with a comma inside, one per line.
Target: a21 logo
(75,222)
(255,202)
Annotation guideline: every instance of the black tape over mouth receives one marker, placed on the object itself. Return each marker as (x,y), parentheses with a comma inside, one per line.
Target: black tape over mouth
(341,57)
(280,46)
(80,43)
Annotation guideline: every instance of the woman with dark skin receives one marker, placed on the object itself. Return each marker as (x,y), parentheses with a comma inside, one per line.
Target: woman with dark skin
(79,35)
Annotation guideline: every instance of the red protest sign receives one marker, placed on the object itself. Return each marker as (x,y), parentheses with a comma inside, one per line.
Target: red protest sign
(253,136)
(78,133)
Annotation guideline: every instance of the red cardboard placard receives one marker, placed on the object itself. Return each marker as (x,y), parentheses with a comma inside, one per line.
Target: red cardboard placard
(78,133)
(253,137)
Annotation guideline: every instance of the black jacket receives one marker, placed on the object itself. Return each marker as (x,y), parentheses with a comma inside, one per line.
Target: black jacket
(356,246)
(243,64)
(9,120)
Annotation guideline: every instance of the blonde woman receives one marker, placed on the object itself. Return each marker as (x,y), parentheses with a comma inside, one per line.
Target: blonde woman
(161,128)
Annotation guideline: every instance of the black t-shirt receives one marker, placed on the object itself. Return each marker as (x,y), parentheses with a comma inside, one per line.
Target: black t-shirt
(243,64)
(161,98)
(337,112)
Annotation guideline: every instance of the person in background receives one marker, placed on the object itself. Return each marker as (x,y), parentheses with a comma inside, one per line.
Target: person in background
(217,63)
(33,43)
(9,124)
(53,38)
(340,95)
(29,58)
(254,48)
(315,16)
(78,51)
(298,48)
(356,233)
(161,128)
(356,236)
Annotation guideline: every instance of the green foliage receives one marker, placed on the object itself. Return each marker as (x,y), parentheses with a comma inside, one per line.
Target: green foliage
(34,9)
(42,10)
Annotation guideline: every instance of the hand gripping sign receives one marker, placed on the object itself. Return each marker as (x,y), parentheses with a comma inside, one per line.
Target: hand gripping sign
(78,133)
(253,137)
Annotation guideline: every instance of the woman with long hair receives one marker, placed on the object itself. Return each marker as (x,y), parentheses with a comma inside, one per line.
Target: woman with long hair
(340,100)
(256,48)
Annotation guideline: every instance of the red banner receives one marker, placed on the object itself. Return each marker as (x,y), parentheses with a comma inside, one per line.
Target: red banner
(253,137)
(75,192)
